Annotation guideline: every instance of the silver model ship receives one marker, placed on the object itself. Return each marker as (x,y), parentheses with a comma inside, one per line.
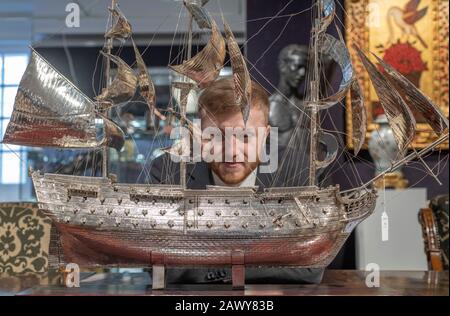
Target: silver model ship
(102,222)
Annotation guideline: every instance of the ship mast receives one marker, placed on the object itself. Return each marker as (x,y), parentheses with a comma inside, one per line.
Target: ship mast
(199,70)
(314,113)
(108,50)
(185,88)
(183,103)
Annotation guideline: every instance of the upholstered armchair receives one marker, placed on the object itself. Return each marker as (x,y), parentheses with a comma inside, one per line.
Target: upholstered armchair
(434,221)
(24,239)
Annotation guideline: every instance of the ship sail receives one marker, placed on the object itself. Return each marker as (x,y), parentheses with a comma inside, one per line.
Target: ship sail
(113,134)
(121,28)
(200,15)
(329,149)
(327,9)
(49,111)
(359,116)
(124,85)
(337,51)
(415,98)
(205,67)
(242,80)
(145,82)
(399,115)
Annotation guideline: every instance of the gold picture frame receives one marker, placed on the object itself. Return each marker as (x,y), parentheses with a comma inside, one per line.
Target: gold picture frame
(389,28)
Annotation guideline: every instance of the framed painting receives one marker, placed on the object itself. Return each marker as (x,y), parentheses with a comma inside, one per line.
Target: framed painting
(412,36)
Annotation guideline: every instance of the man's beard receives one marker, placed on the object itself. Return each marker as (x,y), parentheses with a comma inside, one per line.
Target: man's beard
(233,178)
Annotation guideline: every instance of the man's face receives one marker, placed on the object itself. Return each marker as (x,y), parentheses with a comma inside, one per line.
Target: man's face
(243,151)
(294,70)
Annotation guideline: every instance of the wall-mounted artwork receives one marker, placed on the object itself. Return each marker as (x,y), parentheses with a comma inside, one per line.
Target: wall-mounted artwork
(412,36)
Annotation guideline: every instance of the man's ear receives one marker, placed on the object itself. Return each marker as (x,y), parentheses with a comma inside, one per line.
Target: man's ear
(267,132)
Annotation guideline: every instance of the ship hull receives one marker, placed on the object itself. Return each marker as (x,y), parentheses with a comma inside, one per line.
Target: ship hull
(88,247)
(101,223)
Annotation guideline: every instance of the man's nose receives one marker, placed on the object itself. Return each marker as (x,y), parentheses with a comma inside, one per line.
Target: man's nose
(234,147)
(236,143)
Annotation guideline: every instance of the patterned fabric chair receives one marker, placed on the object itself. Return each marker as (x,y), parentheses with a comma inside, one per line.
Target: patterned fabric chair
(24,238)
(434,221)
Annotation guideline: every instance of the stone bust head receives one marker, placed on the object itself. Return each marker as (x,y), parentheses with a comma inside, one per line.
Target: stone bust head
(292,63)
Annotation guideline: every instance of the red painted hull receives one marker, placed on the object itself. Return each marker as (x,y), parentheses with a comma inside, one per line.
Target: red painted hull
(88,247)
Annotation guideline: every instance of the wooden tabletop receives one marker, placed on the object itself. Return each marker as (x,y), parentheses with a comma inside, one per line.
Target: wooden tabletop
(335,282)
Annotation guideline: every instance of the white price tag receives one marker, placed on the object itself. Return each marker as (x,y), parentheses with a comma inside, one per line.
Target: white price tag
(384,226)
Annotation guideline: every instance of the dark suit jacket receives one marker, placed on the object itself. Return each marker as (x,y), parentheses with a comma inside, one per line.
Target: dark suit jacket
(198,176)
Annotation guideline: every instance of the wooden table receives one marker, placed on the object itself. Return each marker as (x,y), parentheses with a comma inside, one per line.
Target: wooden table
(335,282)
